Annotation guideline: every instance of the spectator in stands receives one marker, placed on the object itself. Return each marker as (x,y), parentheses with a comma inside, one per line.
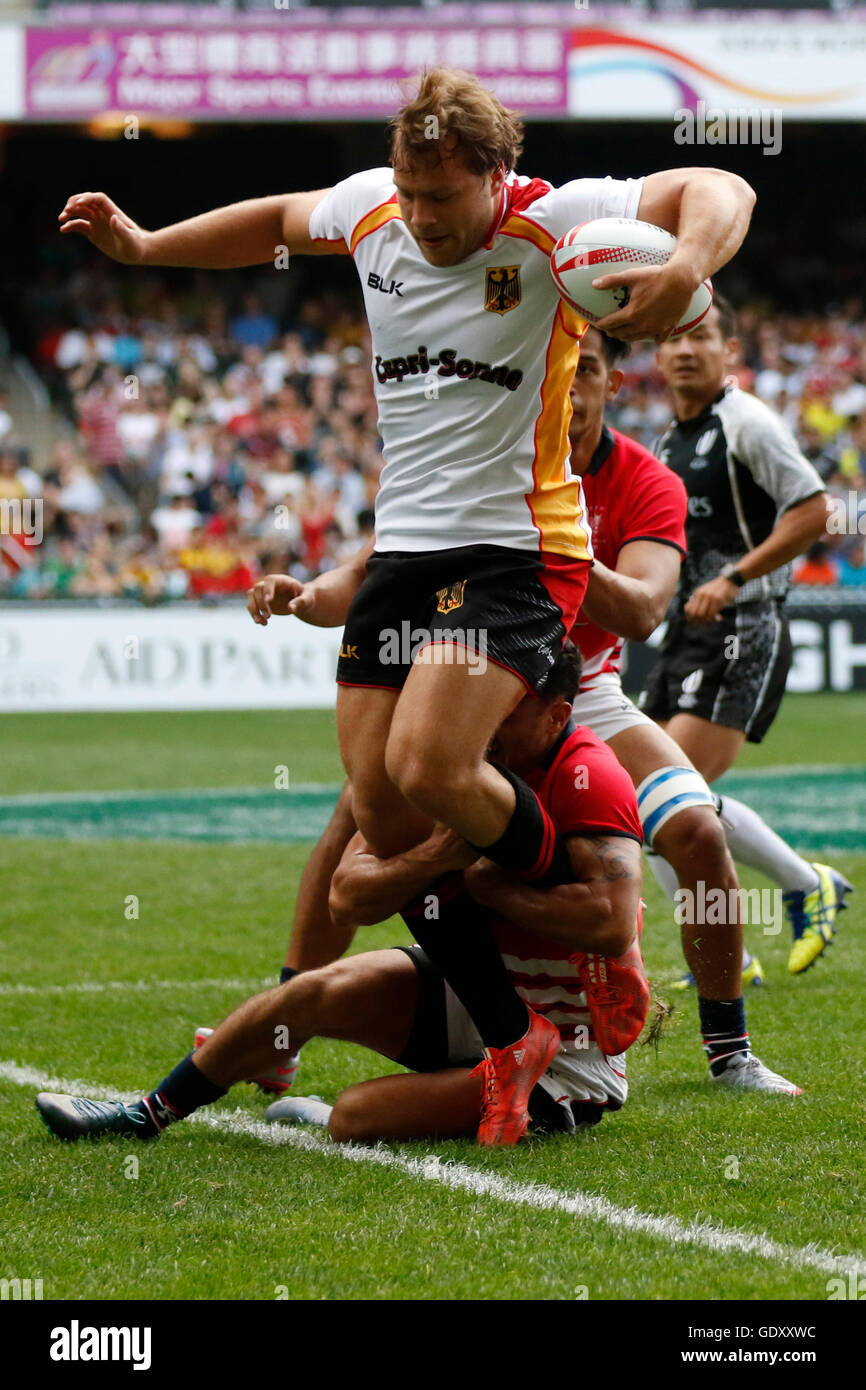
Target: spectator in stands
(11,485)
(817,567)
(175,523)
(852,565)
(253,327)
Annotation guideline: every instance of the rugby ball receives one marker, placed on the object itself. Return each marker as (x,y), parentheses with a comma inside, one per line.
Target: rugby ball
(606,245)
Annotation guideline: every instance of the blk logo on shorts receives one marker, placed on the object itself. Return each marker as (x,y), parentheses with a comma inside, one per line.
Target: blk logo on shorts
(450,597)
(502,288)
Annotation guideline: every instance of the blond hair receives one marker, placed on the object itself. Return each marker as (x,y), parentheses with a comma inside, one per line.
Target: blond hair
(452,113)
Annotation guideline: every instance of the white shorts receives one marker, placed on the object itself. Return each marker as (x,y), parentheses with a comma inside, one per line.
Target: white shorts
(577,1074)
(581,1082)
(606,709)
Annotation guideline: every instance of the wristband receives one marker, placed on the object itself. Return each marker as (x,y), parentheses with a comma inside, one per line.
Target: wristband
(731,572)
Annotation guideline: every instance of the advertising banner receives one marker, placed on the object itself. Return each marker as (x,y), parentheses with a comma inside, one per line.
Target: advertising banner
(284,71)
(828,633)
(54,658)
(810,68)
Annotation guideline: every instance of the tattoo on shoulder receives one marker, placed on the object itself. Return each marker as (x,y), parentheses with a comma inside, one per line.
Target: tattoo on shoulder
(613,856)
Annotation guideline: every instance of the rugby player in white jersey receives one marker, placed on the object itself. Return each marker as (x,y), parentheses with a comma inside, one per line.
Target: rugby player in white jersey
(478,514)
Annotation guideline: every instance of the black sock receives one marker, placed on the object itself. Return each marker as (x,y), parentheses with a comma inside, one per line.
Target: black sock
(288,972)
(723,1025)
(460,943)
(184,1090)
(531,847)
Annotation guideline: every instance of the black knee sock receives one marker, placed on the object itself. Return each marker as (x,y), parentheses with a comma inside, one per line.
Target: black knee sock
(455,933)
(288,972)
(184,1090)
(723,1025)
(531,847)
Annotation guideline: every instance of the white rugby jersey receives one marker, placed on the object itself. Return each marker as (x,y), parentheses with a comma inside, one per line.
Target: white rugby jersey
(472,365)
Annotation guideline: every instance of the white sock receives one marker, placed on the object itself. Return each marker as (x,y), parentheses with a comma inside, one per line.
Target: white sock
(752,842)
(667,880)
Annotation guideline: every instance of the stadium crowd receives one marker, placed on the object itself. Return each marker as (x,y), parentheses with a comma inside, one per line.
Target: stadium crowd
(210,441)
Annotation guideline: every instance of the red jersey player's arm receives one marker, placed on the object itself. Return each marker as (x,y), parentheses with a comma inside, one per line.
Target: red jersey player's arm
(598,913)
(366,889)
(248,233)
(322,602)
(632,599)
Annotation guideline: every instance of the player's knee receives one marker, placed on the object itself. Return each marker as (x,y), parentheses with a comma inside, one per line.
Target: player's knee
(349,1121)
(694,843)
(317,995)
(428,780)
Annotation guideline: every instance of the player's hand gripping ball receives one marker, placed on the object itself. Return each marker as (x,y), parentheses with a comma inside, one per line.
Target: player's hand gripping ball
(609,244)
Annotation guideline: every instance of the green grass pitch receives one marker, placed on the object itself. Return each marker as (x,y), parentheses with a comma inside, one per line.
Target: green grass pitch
(212,1210)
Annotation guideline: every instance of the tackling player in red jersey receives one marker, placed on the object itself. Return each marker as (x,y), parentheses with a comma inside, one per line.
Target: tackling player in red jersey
(572,954)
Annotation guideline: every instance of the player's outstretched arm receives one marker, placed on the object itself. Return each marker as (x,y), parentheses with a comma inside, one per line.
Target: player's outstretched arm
(323,602)
(248,233)
(708,210)
(597,913)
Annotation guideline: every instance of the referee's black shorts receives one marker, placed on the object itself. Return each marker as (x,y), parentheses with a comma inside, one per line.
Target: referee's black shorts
(479,603)
(731,673)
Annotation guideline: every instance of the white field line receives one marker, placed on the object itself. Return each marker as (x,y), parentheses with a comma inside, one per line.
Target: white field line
(462,1177)
(135,986)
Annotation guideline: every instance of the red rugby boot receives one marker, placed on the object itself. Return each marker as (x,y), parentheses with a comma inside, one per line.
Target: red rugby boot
(277,1082)
(509,1074)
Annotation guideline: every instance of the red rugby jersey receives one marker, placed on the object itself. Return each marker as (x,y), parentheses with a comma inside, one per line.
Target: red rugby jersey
(586,791)
(630,496)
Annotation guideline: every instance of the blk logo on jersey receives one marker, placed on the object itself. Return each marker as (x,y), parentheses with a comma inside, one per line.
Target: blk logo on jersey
(451,597)
(502,288)
(378,282)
